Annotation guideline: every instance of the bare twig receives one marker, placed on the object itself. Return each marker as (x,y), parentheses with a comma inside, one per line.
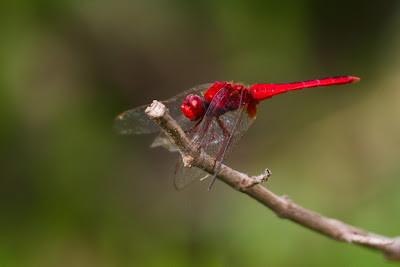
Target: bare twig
(283,207)
(250,182)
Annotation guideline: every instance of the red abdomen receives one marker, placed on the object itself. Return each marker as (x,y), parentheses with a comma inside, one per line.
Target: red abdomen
(264,91)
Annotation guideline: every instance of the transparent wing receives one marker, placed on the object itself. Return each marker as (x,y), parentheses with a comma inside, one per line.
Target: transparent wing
(135,121)
(210,135)
(163,141)
(185,176)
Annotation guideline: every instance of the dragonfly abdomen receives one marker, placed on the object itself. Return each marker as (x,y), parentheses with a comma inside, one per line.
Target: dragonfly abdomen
(264,91)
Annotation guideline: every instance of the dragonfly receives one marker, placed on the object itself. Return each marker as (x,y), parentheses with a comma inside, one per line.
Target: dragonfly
(215,116)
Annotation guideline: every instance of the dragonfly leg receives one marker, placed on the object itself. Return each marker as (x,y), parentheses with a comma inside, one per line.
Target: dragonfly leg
(211,138)
(226,136)
(194,127)
(228,142)
(221,124)
(203,133)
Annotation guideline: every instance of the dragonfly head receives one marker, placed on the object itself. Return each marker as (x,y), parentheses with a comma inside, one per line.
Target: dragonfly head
(193,107)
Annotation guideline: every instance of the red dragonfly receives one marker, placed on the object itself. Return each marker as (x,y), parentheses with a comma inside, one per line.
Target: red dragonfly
(215,117)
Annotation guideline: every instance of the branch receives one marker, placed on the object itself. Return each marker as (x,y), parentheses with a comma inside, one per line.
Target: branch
(283,207)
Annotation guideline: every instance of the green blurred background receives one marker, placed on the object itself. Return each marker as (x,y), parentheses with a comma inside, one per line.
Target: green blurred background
(75,193)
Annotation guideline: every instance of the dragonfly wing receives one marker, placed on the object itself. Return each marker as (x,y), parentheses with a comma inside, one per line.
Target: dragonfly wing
(242,122)
(135,121)
(185,176)
(163,141)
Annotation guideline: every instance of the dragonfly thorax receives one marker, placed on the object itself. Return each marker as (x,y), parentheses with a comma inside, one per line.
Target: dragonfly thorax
(230,96)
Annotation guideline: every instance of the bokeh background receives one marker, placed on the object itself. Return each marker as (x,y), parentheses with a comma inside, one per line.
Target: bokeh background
(75,193)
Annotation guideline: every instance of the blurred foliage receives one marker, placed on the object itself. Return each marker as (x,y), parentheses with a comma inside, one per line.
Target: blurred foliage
(75,193)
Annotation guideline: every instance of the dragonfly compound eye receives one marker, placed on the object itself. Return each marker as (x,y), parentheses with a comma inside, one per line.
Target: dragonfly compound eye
(193,107)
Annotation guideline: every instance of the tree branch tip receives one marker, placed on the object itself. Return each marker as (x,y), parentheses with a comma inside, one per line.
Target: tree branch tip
(156,109)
